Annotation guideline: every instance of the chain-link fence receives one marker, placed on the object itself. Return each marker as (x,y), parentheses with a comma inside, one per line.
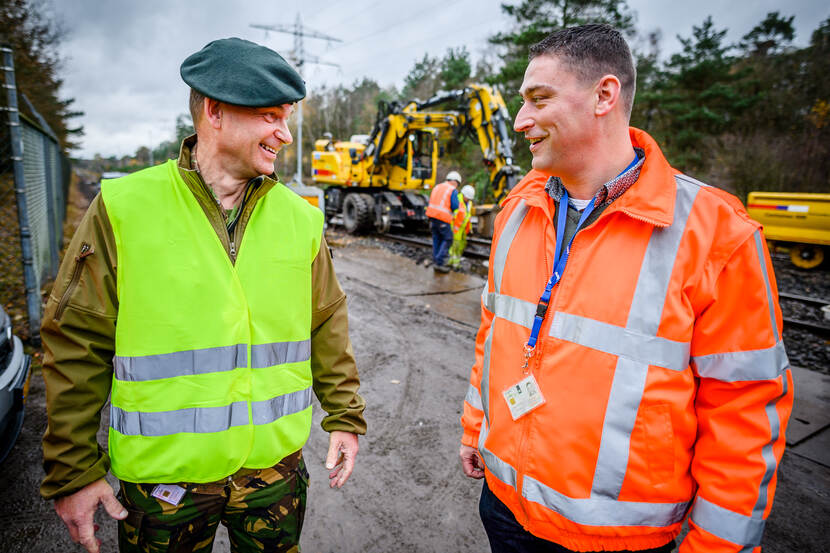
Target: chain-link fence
(34,181)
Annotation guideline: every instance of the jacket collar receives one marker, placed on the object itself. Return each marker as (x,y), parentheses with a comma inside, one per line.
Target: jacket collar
(650,199)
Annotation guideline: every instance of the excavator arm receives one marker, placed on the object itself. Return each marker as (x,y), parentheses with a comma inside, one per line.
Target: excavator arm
(374,181)
(482,113)
(477,111)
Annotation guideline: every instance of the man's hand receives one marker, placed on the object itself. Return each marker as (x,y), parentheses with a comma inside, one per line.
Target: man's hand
(471,463)
(340,459)
(76,511)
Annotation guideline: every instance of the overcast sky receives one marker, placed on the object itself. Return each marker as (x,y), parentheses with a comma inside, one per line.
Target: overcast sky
(121,57)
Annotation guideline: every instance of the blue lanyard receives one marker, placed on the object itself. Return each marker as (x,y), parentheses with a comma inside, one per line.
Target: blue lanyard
(630,165)
(560,259)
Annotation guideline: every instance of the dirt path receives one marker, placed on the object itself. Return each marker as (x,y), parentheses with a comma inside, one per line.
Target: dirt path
(408,492)
(413,335)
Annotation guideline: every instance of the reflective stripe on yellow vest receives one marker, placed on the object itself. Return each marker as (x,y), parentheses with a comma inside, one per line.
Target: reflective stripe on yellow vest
(212,369)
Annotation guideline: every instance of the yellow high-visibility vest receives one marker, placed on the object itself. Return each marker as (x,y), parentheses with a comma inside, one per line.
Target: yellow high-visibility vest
(212,360)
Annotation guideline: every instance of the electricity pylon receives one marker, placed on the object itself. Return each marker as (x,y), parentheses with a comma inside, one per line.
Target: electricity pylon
(300,57)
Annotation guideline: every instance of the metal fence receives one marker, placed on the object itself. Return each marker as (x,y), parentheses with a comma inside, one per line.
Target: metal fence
(32,164)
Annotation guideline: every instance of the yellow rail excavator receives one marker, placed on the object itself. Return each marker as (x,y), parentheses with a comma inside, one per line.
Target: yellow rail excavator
(376,181)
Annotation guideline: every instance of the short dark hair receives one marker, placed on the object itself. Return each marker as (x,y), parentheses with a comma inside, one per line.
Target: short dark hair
(197,100)
(592,51)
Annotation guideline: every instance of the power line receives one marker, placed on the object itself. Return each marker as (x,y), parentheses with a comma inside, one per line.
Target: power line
(424,11)
(300,58)
(361,12)
(371,59)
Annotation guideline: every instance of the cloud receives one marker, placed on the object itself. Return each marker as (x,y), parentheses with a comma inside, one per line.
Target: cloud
(122,57)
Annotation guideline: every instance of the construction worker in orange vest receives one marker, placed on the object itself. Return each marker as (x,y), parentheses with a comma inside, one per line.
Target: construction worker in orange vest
(629,370)
(443,201)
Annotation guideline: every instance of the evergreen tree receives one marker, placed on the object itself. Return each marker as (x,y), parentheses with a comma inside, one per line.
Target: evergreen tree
(422,82)
(35,40)
(701,98)
(816,65)
(533,21)
(768,55)
(184,127)
(650,78)
(432,74)
(812,161)
(755,144)
(771,36)
(455,69)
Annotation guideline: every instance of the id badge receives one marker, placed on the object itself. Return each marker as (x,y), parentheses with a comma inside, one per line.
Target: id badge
(169,493)
(523,397)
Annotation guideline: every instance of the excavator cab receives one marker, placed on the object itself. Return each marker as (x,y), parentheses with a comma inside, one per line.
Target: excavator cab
(422,158)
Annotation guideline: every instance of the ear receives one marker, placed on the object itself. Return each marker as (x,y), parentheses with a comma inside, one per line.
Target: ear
(607,94)
(212,112)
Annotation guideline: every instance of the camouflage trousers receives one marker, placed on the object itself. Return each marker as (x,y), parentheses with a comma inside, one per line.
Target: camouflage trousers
(262,509)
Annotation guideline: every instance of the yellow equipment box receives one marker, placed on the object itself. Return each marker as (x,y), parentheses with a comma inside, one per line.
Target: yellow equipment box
(799,220)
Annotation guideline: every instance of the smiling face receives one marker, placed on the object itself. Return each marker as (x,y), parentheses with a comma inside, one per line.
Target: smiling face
(249,138)
(557,116)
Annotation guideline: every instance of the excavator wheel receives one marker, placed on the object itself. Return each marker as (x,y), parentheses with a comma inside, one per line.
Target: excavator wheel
(806,256)
(371,222)
(357,213)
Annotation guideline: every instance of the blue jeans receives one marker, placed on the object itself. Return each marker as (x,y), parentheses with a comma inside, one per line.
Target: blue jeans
(441,241)
(506,535)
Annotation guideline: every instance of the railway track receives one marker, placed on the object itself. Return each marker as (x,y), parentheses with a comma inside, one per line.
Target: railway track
(804,312)
(478,248)
(486,242)
(800,311)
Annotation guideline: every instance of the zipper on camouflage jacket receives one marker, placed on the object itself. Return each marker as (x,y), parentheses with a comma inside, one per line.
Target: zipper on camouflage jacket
(80,260)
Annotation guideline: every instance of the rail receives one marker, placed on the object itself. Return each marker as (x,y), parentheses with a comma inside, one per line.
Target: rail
(804,312)
(472,249)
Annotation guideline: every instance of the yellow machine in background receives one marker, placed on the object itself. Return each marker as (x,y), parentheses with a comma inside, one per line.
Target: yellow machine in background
(374,180)
(799,222)
(312,194)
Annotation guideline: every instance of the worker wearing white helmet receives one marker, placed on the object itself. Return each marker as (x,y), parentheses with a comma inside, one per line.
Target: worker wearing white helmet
(443,203)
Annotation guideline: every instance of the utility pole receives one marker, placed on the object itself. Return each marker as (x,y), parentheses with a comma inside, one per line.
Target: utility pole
(300,57)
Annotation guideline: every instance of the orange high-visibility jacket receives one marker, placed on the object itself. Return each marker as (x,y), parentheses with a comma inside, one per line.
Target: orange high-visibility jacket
(440,202)
(461,214)
(666,384)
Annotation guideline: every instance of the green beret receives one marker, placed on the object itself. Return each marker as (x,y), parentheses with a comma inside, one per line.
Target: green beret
(243,73)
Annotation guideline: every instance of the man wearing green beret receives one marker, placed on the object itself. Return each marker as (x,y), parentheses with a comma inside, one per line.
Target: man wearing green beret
(199,296)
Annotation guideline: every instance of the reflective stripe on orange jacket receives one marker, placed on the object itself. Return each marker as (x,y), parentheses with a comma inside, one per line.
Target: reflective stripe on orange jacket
(440,202)
(666,384)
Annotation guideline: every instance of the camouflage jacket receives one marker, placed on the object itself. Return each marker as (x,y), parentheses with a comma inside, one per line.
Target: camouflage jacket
(78,335)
